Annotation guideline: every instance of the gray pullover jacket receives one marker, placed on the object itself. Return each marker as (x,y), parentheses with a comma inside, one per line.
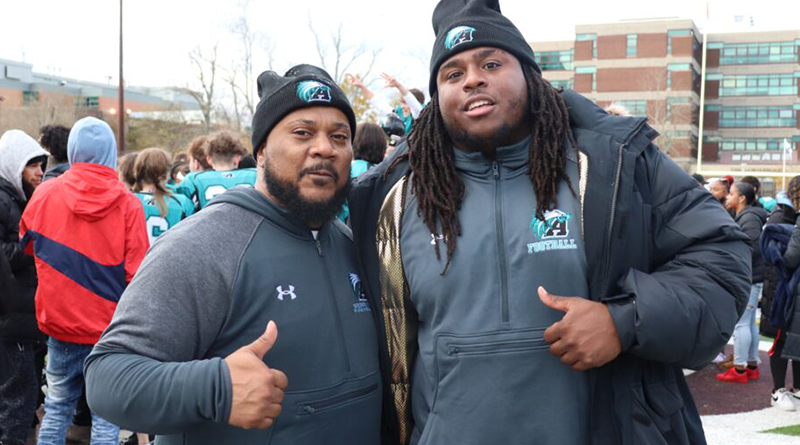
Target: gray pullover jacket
(482,362)
(210,286)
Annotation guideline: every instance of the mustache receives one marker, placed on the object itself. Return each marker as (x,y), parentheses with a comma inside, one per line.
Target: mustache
(326,166)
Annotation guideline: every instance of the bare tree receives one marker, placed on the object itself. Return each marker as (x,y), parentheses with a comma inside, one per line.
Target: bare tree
(664,116)
(205,66)
(337,57)
(231,79)
(243,74)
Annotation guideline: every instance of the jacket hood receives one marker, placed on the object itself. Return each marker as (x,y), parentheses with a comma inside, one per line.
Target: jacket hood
(255,201)
(783,199)
(16,150)
(92,191)
(92,141)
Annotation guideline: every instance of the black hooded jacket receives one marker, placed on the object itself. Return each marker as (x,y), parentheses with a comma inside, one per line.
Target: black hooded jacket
(18,323)
(752,220)
(782,214)
(670,263)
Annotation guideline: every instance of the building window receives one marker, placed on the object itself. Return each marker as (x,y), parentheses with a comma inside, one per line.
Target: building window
(30,98)
(593,38)
(566,84)
(555,60)
(588,70)
(671,101)
(759,85)
(635,107)
(755,117)
(630,50)
(89,102)
(675,67)
(676,33)
(742,144)
(758,53)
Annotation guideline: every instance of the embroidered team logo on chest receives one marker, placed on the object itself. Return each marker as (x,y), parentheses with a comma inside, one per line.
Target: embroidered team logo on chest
(553,231)
(361,305)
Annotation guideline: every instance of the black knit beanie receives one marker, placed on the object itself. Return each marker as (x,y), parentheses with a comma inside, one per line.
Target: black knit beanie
(302,86)
(460,25)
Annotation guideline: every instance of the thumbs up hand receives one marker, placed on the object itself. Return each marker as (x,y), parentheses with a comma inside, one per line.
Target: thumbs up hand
(257,389)
(586,337)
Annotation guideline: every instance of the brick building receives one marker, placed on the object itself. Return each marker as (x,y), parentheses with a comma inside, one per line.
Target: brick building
(653,68)
(20,86)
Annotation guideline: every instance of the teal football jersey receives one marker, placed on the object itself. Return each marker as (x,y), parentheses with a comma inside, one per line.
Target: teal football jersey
(179,207)
(212,183)
(187,187)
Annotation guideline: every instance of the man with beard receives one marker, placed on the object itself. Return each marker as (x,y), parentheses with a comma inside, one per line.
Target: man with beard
(540,270)
(186,355)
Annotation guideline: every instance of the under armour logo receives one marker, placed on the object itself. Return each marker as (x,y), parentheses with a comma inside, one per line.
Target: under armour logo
(283,293)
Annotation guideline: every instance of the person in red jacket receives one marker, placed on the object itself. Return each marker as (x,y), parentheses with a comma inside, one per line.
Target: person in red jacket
(88,235)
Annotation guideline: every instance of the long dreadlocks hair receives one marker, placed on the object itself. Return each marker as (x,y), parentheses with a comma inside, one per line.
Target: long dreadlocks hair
(437,184)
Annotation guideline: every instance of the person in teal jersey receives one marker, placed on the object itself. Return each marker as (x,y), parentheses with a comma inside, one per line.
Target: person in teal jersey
(162,209)
(198,163)
(224,151)
(369,147)
(177,171)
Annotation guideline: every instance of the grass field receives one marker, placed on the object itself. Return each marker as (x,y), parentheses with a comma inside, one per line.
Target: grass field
(793,430)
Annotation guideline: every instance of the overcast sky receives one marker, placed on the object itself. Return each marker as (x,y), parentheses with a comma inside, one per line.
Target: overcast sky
(78,38)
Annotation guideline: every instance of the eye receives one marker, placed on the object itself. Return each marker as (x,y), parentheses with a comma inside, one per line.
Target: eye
(302,133)
(453,75)
(340,137)
(491,65)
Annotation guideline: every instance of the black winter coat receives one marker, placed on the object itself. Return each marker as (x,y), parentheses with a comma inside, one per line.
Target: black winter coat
(782,214)
(19,321)
(668,260)
(752,220)
(791,349)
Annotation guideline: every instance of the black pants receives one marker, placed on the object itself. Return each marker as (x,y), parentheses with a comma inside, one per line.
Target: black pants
(18,393)
(778,366)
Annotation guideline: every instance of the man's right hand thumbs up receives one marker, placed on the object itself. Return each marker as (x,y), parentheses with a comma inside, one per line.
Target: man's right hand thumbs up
(257,389)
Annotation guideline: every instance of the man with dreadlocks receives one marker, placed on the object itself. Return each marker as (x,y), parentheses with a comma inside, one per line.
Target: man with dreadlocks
(538,262)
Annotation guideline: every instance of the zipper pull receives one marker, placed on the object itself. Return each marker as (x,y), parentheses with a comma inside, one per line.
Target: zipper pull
(319,246)
(453,350)
(309,409)
(495,170)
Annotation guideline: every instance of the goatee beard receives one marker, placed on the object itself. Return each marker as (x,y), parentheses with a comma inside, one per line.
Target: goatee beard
(288,196)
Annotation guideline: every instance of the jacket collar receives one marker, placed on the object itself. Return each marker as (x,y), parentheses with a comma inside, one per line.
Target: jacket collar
(255,201)
(511,158)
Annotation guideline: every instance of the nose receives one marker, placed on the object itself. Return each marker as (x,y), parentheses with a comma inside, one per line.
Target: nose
(322,147)
(474,78)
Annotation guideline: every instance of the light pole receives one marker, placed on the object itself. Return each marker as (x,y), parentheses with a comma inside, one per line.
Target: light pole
(121,94)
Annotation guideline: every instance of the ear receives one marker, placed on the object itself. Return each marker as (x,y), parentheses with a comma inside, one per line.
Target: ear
(261,155)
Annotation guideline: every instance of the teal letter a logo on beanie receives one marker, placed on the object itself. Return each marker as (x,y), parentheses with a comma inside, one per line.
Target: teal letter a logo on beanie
(313,91)
(458,35)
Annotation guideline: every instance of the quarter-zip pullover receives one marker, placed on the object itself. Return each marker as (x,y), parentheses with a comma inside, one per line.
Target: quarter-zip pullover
(210,286)
(483,372)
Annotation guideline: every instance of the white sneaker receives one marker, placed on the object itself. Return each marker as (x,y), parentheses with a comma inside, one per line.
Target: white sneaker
(783,400)
(719,358)
(795,396)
